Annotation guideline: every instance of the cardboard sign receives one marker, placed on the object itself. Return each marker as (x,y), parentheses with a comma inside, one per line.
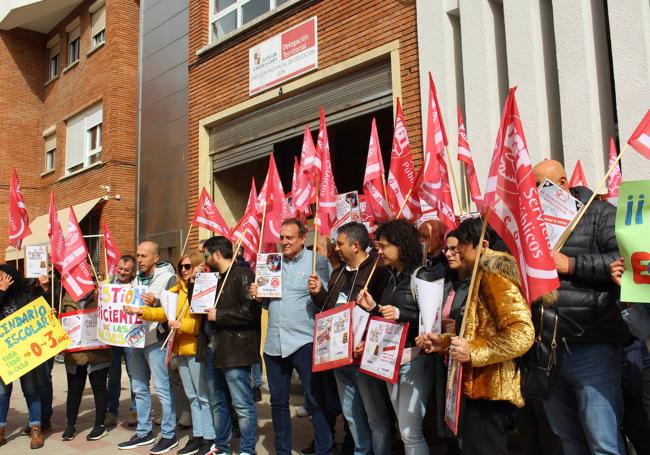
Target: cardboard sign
(333,338)
(452,394)
(81,327)
(429,297)
(633,237)
(35,261)
(114,325)
(268,275)
(29,337)
(559,208)
(384,348)
(204,293)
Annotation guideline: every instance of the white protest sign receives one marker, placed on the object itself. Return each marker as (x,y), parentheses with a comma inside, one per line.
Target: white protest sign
(81,327)
(114,325)
(360,319)
(429,297)
(205,292)
(268,275)
(347,205)
(559,208)
(169,303)
(384,348)
(35,261)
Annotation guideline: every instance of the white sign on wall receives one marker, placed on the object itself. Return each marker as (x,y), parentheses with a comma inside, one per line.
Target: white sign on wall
(283,57)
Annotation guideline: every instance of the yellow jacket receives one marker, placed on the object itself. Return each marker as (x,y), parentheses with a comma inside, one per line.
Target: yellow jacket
(499,329)
(186,337)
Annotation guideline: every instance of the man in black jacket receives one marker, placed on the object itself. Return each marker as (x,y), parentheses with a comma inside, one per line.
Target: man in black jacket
(235,342)
(585,404)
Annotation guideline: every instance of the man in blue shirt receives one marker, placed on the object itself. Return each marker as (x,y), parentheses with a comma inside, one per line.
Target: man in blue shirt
(290,335)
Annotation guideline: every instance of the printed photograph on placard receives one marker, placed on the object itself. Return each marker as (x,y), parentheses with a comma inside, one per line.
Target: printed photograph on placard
(559,208)
(332,340)
(268,275)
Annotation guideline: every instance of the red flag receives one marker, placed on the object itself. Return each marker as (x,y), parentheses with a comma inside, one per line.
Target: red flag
(367,215)
(578,176)
(373,181)
(271,199)
(326,210)
(615,177)
(434,187)
(248,227)
(78,281)
(465,155)
(55,233)
(207,215)
(401,174)
(516,214)
(293,211)
(640,139)
(304,191)
(75,247)
(113,254)
(18,219)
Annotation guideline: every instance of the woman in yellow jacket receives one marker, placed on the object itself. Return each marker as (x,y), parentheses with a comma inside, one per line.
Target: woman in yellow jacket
(192,372)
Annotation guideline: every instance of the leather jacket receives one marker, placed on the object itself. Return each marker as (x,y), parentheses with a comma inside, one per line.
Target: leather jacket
(398,294)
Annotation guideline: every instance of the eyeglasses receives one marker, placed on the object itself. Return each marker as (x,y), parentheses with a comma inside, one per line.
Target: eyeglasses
(451,250)
(186,266)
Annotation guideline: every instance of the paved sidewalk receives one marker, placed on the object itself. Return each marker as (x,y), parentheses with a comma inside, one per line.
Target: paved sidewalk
(19,443)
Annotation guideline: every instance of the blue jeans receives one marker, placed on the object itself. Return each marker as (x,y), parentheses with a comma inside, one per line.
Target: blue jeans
(256,374)
(193,377)
(278,376)
(234,384)
(585,405)
(29,384)
(45,391)
(367,410)
(148,363)
(115,379)
(409,398)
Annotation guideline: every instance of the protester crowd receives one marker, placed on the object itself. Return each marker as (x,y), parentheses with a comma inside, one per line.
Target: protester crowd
(594,399)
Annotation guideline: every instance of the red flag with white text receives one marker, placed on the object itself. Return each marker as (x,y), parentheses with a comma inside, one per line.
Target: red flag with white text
(207,215)
(401,174)
(615,177)
(374,186)
(304,191)
(75,246)
(326,210)
(271,199)
(465,155)
(578,176)
(516,213)
(55,233)
(112,251)
(18,218)
(78,282)
(248,227)
(293,210)
(640,139)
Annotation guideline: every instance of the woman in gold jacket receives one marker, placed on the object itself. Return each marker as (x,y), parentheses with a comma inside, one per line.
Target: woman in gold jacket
(499,329)
(191,371)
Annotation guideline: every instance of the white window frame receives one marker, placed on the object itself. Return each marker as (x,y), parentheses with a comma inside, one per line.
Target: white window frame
(94,155)
(97,37)
(237,6)
(53,52)
(49,147)
(91,122)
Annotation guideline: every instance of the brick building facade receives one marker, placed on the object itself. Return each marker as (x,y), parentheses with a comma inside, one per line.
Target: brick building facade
(362,45)
(68,109)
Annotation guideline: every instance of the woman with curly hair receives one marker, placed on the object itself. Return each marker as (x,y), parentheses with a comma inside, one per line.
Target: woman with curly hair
(398,243)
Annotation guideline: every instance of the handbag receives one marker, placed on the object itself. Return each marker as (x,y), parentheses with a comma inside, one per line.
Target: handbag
(539,365)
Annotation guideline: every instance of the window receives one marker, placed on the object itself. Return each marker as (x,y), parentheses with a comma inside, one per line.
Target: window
(90,225)
(54,65)
(98,14)
(50,152)
(73,45)
(84,139)
(229,15)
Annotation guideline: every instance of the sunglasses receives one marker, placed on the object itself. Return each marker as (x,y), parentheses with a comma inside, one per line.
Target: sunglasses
(186,266)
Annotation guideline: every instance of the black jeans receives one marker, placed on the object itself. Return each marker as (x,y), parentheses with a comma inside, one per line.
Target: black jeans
(76,386)
(636,420)
(535,434)
(485,426)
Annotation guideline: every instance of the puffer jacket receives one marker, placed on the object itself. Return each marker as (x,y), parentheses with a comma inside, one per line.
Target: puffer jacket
(235,336)
(499,329)
(587,297)
(398,294)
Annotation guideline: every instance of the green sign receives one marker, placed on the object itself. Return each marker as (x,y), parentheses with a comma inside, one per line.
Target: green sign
(633,237)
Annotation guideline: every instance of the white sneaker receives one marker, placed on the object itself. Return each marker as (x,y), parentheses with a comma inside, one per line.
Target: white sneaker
(302,412)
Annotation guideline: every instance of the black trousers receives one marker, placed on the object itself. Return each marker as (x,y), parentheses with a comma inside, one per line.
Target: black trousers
(485,426)
(76,386)
(535,434)
(636,420)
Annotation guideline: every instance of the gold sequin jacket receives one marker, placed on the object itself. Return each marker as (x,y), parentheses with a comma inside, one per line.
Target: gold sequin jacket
(499,329)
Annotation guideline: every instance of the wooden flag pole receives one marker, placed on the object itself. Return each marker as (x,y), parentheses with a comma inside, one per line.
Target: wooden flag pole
(19,250)
(92,267)
(472,283)
(453,178)
(406,199)
(105,260)
(225,278)
(187,237)
(52,283)
(565,235)
(315,252)
(465,180)
(259,247)
(383,182)
(61,295)
(372,272)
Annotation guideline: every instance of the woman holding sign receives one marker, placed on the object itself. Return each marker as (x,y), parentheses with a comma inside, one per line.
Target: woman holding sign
(183,345)
(398,243)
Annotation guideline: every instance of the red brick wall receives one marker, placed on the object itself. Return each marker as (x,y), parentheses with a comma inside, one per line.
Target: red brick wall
(108,75)
(345,29)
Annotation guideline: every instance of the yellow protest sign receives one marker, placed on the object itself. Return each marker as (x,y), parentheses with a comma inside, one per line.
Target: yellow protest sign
(29,337)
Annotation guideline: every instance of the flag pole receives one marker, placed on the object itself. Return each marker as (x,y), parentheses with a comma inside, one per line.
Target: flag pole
(52,282)
(565,235)
(225,278)
(61,295)
(406,199)
(372,272)
(453,178)
(472,283)
(317,217)
(92,266)
(465,181)
(187,237)
(383,182)
(261,242)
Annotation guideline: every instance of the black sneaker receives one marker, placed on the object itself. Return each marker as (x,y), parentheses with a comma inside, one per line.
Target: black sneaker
(137,441)
(192,446)
(69,433)
(164,445)
(257,394)
(309,450)
(96,433)
(208,448)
